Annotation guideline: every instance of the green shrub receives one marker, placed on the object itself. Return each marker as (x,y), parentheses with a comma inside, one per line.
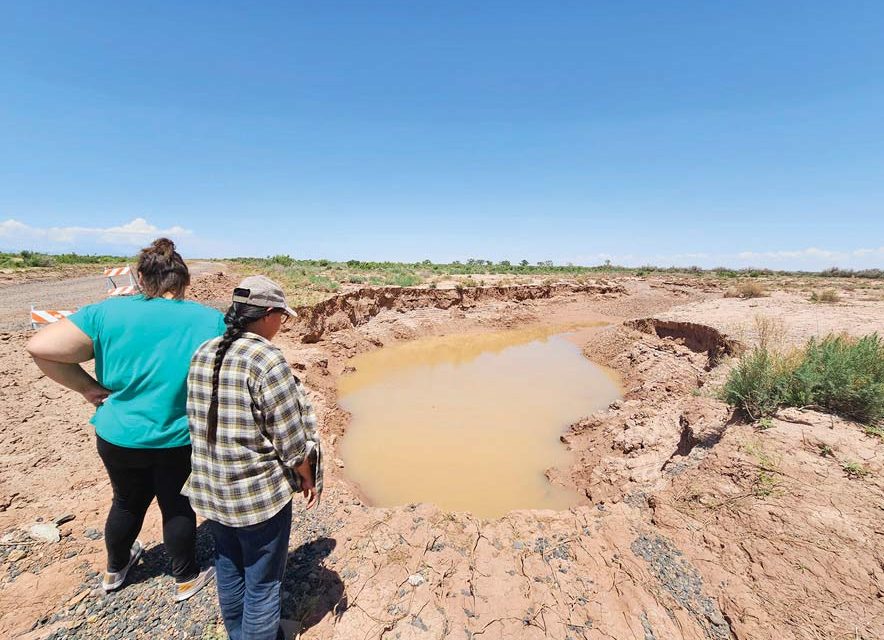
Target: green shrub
(758,384)
(324,283)
(34,259)
(404,280)
(284,260)
(842,375)
(839,374)
(854,469)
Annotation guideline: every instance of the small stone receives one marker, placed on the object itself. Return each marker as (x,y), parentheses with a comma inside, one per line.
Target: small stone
(716,618)
(339,463)
(416,580)
(45,531)
(16,554)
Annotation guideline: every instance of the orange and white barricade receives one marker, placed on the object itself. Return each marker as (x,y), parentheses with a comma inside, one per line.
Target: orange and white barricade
(118,289)
(42,317)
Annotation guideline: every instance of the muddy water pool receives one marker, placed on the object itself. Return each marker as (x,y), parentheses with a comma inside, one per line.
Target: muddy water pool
(469,422)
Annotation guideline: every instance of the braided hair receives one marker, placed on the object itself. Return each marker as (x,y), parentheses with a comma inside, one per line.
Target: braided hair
(238,316)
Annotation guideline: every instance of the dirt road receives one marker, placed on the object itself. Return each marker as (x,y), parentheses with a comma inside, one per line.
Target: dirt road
(61,292)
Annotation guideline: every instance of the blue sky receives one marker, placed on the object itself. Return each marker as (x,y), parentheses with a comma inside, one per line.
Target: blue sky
(683,133)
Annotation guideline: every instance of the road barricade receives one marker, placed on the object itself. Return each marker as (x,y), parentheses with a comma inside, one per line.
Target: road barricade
(117,288)
(42,317)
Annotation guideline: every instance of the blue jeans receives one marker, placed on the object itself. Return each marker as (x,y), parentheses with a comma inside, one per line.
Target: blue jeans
(249,566)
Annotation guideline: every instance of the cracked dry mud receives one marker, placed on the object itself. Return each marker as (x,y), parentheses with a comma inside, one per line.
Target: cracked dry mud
(694,524)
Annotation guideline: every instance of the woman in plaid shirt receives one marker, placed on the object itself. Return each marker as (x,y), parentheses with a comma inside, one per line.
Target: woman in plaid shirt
(254,440)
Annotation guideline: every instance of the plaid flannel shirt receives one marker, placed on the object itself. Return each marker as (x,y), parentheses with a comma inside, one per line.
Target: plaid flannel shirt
(266,428)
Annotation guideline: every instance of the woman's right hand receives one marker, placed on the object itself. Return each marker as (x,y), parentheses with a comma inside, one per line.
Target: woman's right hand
(308,486)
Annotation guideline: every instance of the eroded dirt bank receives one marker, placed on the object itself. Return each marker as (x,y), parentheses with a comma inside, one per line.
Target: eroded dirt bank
(694,526)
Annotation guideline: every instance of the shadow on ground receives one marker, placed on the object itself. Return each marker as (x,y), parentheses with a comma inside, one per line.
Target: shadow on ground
(311,591)
(155,561)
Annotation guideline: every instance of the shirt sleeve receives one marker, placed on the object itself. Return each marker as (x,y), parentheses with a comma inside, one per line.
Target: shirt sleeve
(88,320)
(284,420)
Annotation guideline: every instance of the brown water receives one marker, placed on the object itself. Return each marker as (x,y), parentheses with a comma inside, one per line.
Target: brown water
(469,422)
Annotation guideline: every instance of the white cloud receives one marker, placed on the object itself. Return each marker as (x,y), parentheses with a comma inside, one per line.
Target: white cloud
(812,254)
(809,259)
(135,233)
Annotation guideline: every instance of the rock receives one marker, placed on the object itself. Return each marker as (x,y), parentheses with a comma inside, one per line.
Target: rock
(16,554)
(47,532)
(77,599)
(416,580)
(60,520)
(92,534)
(339,463)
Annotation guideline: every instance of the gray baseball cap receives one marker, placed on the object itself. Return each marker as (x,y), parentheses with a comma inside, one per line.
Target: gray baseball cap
(261,291)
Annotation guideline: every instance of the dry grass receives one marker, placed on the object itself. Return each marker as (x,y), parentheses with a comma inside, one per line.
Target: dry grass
(771,333)
(826,295)
(746,289)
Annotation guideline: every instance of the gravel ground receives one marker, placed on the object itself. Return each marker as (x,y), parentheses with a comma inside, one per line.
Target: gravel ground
(683,581)
(145,608)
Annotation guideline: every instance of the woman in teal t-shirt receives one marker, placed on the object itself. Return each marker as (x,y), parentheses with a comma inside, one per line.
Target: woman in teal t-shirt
(142,347)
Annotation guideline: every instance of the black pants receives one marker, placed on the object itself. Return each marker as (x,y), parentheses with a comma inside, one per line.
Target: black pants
(137,476)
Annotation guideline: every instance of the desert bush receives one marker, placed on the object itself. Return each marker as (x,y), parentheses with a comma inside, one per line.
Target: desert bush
(837,373)
(404,280)
(758,384)
(284,260)
(324,283)
(854,470)
(34,259)
(746,289)
(843,375)
(770,332)
(827,295)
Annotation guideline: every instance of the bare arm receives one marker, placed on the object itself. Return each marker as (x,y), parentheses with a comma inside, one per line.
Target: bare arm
(58,350)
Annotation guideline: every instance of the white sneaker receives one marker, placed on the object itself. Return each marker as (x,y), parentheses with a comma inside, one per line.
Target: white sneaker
(183,590)
(115,580)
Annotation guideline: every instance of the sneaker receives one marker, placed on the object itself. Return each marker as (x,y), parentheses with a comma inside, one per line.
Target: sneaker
(114,580)
(183,590)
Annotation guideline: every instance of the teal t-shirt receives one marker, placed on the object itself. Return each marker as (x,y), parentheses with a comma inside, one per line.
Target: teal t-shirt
(142,354)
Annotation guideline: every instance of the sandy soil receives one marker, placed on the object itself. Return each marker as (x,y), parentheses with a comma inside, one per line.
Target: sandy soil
(695,525)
